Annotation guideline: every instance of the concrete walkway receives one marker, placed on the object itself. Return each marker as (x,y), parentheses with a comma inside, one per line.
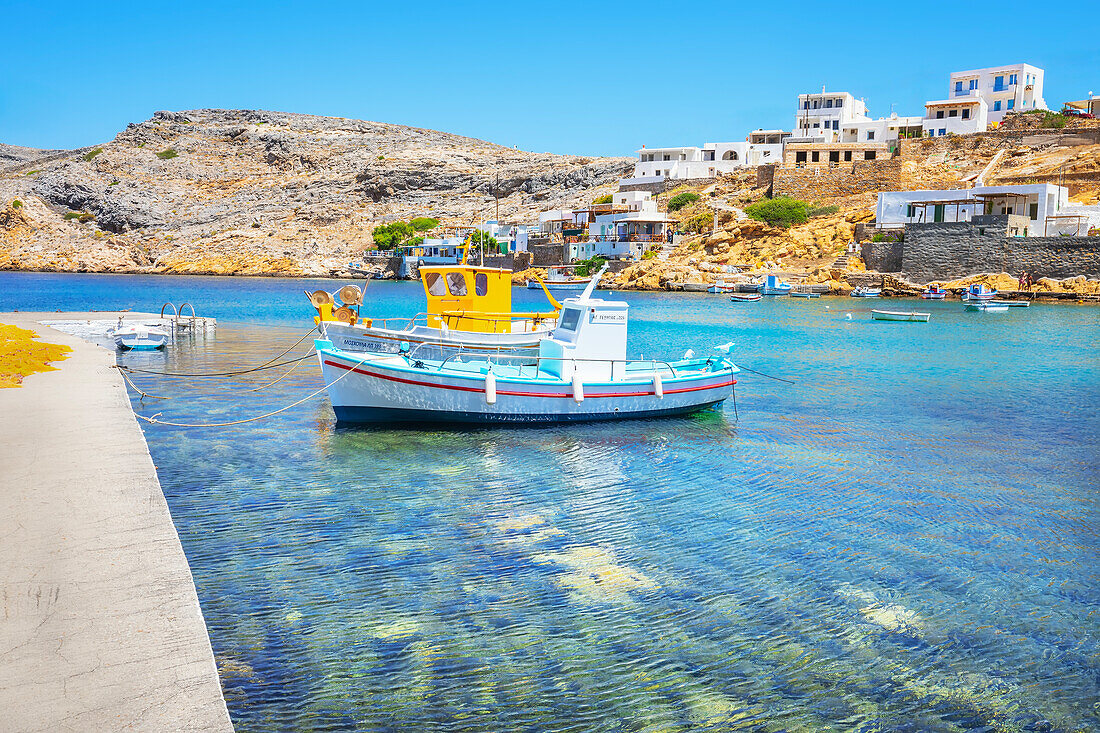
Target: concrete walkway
(100,626)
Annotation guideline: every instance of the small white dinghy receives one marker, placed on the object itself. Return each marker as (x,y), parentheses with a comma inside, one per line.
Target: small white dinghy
(903,316)
(986,307)
(139,337)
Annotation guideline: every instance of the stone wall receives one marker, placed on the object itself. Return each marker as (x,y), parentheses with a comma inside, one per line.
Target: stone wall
(847,179)
(882,256)
(546,254)
(949,250)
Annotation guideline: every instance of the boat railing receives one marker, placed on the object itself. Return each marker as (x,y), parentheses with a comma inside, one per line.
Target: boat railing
(453,318)
(649,368)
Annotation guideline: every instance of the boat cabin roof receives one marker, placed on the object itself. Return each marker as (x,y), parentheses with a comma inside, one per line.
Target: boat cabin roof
(467,287)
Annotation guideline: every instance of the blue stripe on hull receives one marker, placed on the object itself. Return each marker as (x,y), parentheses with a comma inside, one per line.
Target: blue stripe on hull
(365,415)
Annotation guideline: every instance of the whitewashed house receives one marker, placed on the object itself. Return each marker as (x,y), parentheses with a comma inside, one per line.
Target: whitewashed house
(821,116)
(881,130)
(1045,208)
(959,116)
(1012,88)
(711,160)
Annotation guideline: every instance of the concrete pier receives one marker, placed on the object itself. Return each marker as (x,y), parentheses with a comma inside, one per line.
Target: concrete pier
(100,626)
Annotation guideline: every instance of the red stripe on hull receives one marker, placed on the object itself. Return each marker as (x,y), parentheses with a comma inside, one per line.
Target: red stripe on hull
(456,388)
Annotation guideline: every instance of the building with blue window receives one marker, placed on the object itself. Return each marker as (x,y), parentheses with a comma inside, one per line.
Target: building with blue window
(1013,88)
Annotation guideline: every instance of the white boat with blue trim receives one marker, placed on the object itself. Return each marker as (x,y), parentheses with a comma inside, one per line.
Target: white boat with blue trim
(580,373)
(979,292)
(773,286)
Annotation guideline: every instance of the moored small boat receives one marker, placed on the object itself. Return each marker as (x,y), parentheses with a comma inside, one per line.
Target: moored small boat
(773,286)
(933,292)
(580,373)
(979,292)
(745,297)
(722,287)
(139,337)
(805,295)
(558,279)
(1011,303)
(863,292)
(986,307)
(903,316)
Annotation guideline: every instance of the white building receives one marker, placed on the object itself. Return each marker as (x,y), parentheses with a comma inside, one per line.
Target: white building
(1013,88)
(514,236)
(621,229)
(821,116)
(881,130)
(959,116)
(1046,208)
(762,147)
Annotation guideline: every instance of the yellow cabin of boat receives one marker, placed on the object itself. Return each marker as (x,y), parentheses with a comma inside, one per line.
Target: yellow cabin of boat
(468,298)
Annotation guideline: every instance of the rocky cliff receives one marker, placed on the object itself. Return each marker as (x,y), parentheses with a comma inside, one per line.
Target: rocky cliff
(253,192)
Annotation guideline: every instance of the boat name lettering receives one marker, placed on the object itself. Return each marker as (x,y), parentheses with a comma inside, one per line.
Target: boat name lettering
(598,317)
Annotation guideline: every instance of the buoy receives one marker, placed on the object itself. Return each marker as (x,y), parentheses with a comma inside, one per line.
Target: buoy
(578,388)
(490,388)
(658,388)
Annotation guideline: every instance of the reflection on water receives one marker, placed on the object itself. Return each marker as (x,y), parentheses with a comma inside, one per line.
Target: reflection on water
(904,539)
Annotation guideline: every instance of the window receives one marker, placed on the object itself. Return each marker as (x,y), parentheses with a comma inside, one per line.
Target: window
(939,114)
(943,131)
(869,155)
(966,114)
(1011,103)
(973,83)
(937,212)
(456,283)
(815,156)
(836,124)
(997,106)
(1012,78)
(668,157)
(999,84)
(481,283)
(829,103)
(806,104)
(953,113)
(815,125)
(435,284)
(834,156)
(1033,212)
(870,134)
(958,87)
(847,155)
(570,317)
(910,211)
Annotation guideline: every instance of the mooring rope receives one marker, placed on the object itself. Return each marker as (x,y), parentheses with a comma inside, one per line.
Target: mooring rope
(762,374)
(266,365)
(153,419)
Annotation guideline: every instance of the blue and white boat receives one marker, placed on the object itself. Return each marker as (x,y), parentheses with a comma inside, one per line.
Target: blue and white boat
(862,292)
(979,292)
(580,373)
(933,292)
(773,286)
(138,337)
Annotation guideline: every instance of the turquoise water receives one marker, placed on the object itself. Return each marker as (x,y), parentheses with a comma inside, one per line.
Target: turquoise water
(904,539)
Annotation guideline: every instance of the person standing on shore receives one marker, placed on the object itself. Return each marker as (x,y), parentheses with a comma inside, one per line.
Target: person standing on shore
(1023,280)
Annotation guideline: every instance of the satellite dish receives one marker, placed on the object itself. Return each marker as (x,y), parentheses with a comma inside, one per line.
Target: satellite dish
(351,295)
(320,298)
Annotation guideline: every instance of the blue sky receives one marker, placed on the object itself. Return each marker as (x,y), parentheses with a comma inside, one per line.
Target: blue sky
(587,78)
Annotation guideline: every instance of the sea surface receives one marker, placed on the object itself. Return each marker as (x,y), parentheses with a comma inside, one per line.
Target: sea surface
(902,537)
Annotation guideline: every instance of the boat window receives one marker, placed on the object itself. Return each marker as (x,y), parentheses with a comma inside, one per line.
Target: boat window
(570,317)
(456,283)
(435,284)
(481,283)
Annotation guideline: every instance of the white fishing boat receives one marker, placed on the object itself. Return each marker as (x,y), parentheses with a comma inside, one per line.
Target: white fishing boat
(805,295)
(139,337)
(979,292)
(986,307)
(773,286)
(722,287)
(933,292)
(1011,303)
(560,279)
(745,297)
(905,316)
(863,292)
(469,308)
(580,373)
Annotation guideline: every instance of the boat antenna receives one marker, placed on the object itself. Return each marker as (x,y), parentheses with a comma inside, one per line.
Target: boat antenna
(587,294)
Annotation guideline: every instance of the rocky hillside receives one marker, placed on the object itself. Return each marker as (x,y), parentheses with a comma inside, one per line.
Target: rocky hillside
(252,192)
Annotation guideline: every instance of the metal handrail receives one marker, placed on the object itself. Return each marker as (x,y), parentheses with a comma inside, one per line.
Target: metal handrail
(460,315)
(610,362)
(174,309)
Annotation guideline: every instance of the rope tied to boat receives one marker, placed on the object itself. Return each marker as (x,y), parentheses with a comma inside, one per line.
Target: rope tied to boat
(269,364)
(153,419)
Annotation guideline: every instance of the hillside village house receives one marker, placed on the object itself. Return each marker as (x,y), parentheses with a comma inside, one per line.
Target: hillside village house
(619,230)
(1013,88)
(761,147)
(1035,210)
(820,117)
(960,116)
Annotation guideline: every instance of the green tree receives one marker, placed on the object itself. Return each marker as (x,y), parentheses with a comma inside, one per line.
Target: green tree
(584,268)
(781,211)
(392,236)
(603,199)
(485,240)
(424,223)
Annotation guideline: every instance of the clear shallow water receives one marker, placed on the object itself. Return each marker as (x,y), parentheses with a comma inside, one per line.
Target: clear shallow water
(905,539)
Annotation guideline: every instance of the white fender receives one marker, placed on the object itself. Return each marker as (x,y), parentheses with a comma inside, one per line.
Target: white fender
(578,388)
(658,387)
(490,389)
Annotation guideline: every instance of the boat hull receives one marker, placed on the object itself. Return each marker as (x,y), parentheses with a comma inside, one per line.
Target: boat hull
(774,291)
(366,388)
(901,317)
(933,296)
(745,297)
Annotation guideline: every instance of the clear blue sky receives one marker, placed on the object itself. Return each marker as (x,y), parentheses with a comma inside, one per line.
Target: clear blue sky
(586,78)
